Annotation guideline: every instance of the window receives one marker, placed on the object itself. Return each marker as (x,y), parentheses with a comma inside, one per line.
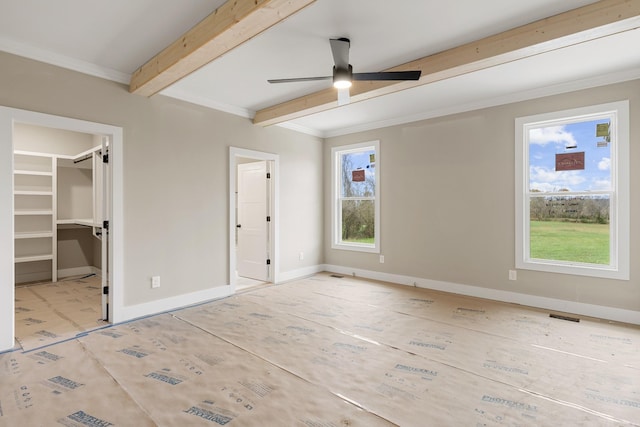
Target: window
(355,195)
(572,192)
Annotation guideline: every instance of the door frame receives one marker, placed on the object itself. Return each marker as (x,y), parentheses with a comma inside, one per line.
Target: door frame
(9,116)
(274,250)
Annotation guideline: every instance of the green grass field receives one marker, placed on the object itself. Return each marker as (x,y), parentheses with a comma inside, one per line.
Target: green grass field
(570,241)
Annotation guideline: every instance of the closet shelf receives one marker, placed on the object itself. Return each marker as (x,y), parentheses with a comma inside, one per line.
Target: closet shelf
(34,173)
(34,212)
(32,193)
(34,258)
(33,234)
(75,221)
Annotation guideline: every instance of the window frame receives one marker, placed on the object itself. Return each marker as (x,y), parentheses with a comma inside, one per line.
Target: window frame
(618,267)
(336,182)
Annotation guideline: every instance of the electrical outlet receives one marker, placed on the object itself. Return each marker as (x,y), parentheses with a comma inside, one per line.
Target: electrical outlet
(155,281)
(381,259)
(301,257)
(513,275)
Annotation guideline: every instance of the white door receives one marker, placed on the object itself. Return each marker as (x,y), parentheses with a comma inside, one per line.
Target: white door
(252,250)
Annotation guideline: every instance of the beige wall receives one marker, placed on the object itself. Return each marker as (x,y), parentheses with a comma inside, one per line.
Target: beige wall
(176,176)
(448,208)
(74,193)
(75,248)
(48,140)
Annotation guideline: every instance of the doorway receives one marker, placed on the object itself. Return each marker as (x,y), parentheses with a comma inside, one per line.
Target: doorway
(253,213)
(109,140)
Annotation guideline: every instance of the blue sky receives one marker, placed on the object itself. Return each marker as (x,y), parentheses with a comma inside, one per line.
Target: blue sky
(546,142)
(360,160)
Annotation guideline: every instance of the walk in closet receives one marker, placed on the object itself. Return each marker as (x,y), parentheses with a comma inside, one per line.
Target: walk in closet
(57,203)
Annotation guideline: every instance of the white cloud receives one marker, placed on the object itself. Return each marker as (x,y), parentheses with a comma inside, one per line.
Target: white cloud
(601,184)
(604,164)
(545,179)
(538,173)
(555,134)
(545,187)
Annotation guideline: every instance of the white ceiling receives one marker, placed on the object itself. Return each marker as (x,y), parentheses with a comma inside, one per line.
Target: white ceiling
(111,39)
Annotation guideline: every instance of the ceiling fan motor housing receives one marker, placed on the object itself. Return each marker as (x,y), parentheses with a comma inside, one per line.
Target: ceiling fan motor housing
(342,76)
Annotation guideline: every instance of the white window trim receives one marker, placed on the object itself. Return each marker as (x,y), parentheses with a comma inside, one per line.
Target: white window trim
(619,210)
(336,231)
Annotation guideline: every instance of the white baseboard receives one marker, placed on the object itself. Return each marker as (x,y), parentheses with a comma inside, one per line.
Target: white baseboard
(300,273)
(65,272)
(174,303)
(79,271)
(33,277)
(591,310)
(181,301)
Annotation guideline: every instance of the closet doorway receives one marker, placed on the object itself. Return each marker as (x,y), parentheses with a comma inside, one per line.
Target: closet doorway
(253,205)
(60,276)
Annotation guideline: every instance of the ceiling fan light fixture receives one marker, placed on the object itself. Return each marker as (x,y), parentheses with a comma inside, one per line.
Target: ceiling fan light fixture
(342,84)
(342,77)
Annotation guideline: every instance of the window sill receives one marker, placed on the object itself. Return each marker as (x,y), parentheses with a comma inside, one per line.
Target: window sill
(355,247)
(577,269)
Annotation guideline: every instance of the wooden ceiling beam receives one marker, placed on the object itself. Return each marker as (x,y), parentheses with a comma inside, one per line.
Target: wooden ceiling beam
(227,27)
(600,19)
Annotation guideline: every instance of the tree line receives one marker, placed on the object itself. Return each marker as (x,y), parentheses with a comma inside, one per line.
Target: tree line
(594,210)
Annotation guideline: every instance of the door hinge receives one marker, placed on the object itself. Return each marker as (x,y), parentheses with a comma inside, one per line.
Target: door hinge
(268,175)
(105,158)
(268,262)
(268,219)
(105,225)
(105,290)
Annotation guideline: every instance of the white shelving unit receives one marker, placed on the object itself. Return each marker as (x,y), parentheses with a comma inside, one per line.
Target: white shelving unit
(51,194)
(79,214)
(35,209)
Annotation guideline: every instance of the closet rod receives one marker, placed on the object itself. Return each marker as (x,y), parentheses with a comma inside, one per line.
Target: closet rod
(87,157)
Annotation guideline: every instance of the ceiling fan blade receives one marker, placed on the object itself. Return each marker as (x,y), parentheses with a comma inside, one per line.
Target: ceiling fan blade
(388,75)
(340,51)
(343,96)
(300,79)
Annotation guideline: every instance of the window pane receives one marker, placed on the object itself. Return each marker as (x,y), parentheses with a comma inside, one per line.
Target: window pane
(358,174)
(570,157)
(358,221)
(570,228)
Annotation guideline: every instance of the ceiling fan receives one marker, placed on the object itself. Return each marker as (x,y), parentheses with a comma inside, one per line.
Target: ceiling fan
(343,74)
